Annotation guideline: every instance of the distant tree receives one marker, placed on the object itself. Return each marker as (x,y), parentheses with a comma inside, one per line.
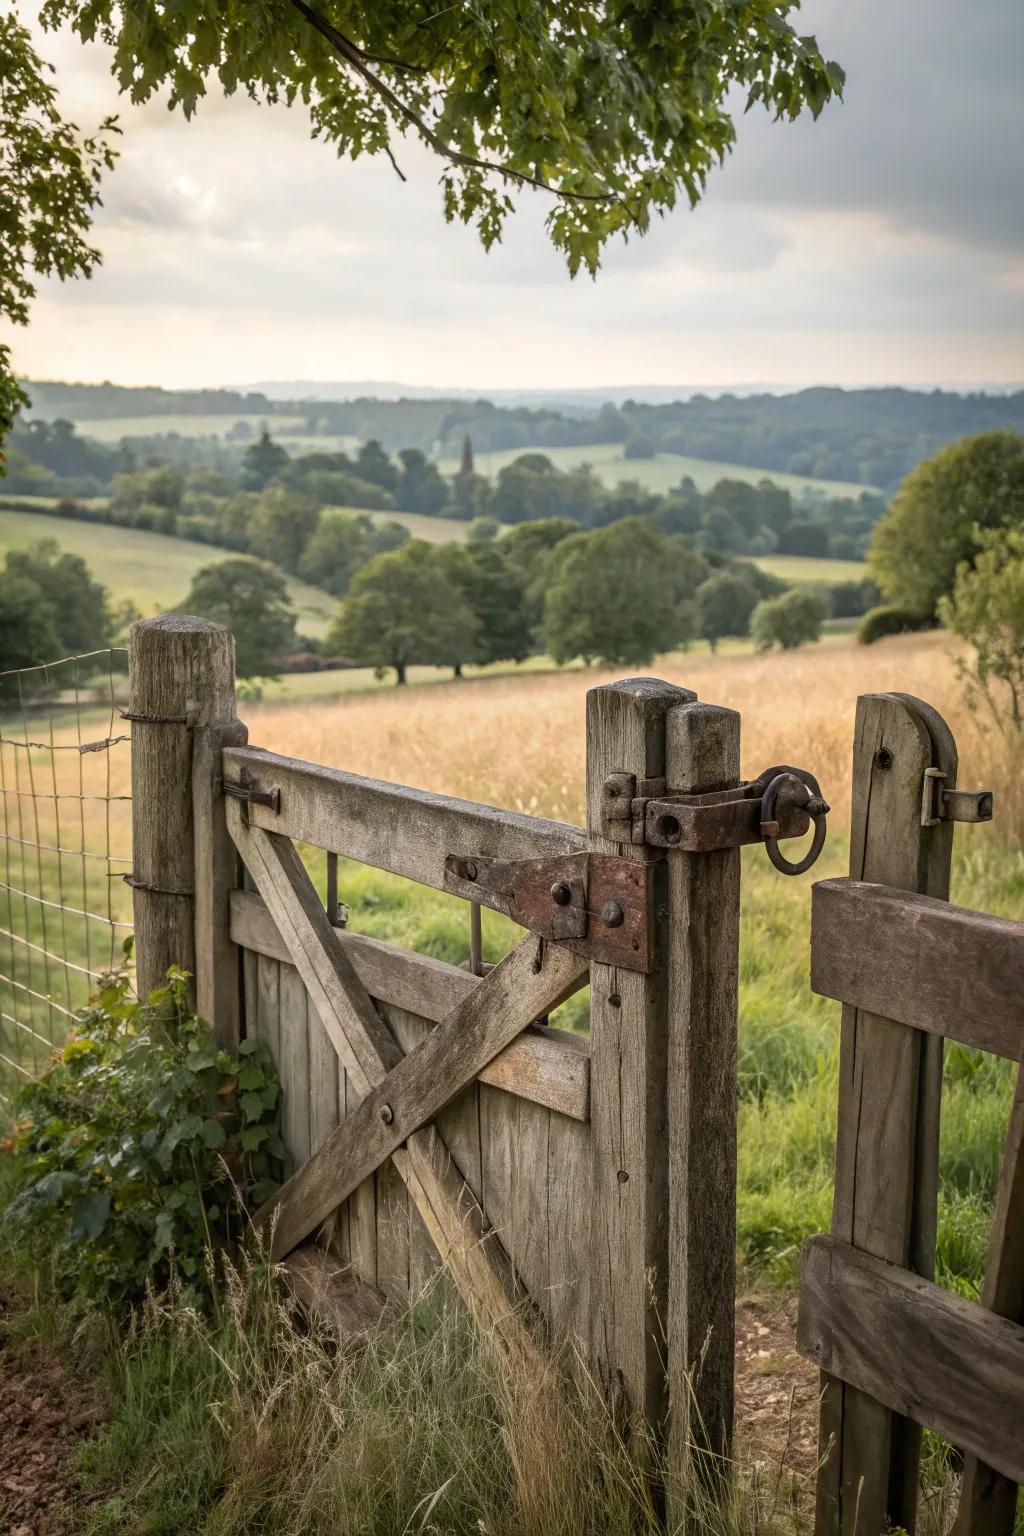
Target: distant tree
(470,497)
(721,530)
(775,506)
(466,465)
(640,446)
(281,525)
(629,499)
(742,501)
(251,599)
(618,595)
(677,514)
(938,514)
(343,544)
(374,464)
(483,530)
(402,609)
(527,550)
(79,609)
(795,618)
(986,609)
(421,486)
(525,489)
(494,593)
(807,539)
(261,462)
(28,634)
(724,604)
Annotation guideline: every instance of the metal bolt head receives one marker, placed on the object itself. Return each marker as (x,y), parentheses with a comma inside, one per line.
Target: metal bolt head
(387,1114)
(612,915)
(883,758)
(470,870)
(561,893)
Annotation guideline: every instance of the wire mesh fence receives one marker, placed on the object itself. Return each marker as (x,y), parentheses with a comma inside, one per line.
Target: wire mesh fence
(65,844)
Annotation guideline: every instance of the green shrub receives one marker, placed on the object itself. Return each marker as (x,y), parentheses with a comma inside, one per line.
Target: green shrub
(137,1150)
(887,620)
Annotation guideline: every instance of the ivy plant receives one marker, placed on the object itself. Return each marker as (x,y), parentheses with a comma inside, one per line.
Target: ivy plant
(138,1150)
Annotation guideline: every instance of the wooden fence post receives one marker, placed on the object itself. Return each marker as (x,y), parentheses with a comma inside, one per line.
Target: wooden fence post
(181,682)
(702,754)
(628,1086)
(886,1186)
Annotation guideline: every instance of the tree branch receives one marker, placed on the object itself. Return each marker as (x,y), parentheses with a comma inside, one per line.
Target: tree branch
(358,60)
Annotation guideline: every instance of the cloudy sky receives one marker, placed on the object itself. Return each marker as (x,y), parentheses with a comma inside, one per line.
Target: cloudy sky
(884,243)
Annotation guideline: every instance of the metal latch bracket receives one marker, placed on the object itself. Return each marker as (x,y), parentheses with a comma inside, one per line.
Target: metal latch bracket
(938,804)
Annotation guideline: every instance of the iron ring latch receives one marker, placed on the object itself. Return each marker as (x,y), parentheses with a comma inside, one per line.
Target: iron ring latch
(806,793)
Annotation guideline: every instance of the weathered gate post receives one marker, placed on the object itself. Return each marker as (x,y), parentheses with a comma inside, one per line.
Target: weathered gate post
(181,673)
(663,1070)
(890,1080)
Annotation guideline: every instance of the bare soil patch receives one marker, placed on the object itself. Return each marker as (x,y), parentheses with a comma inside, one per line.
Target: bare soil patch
(46,1410)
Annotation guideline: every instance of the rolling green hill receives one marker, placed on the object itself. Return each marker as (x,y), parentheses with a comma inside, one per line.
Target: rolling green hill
(659,473)
(151,569)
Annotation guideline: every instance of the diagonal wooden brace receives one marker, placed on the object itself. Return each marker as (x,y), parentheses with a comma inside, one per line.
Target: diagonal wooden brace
(456,1051)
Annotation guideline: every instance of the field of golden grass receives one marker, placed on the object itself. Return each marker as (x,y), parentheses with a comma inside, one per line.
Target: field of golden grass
(519,742)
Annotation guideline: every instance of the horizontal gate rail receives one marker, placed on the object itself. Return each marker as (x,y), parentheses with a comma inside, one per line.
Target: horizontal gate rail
(359,818)
(922,962)
(548,1066)
(922,1351)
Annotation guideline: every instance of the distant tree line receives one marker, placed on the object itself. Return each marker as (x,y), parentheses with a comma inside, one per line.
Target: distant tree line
(620,594)
(230,501)
(869,436)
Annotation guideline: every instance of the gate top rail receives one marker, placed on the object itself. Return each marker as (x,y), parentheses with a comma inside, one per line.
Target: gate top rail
(408,832)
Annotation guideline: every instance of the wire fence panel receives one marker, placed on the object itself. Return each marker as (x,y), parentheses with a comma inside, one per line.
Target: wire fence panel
(65,845)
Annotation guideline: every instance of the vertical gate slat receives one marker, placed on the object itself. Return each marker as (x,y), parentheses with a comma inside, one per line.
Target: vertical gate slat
(888,1130)
(629,1040)
(294,1058)
(568,1225)
(268,974)
(702,754)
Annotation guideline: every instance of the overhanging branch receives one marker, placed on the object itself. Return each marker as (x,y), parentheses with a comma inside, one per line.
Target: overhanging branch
(360,62)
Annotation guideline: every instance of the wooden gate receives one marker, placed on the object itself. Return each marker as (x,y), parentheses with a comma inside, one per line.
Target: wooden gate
(432,1115)
(897,1351)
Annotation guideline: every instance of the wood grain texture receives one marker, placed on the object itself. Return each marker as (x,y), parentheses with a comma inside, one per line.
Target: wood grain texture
(922,962)
(702,754)
(217,963)
(457,1226)
(920,1350)
(178,667)
(988,1500)
(358,817)
(294,1066)
(890,1078)
(419,1085)
(628,1093)
(548,1066)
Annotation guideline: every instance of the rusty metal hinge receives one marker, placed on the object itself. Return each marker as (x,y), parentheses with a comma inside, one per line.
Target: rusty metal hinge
(938,804)
(598,904)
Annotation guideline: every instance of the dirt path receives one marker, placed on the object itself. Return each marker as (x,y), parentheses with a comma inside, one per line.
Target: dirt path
(46,1411)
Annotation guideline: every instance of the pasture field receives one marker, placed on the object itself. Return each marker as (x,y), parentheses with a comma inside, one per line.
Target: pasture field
(659,473)
(435,530)
(803,570)
(152,569)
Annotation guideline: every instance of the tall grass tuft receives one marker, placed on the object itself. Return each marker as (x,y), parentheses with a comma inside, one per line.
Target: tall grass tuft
(256,1421)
